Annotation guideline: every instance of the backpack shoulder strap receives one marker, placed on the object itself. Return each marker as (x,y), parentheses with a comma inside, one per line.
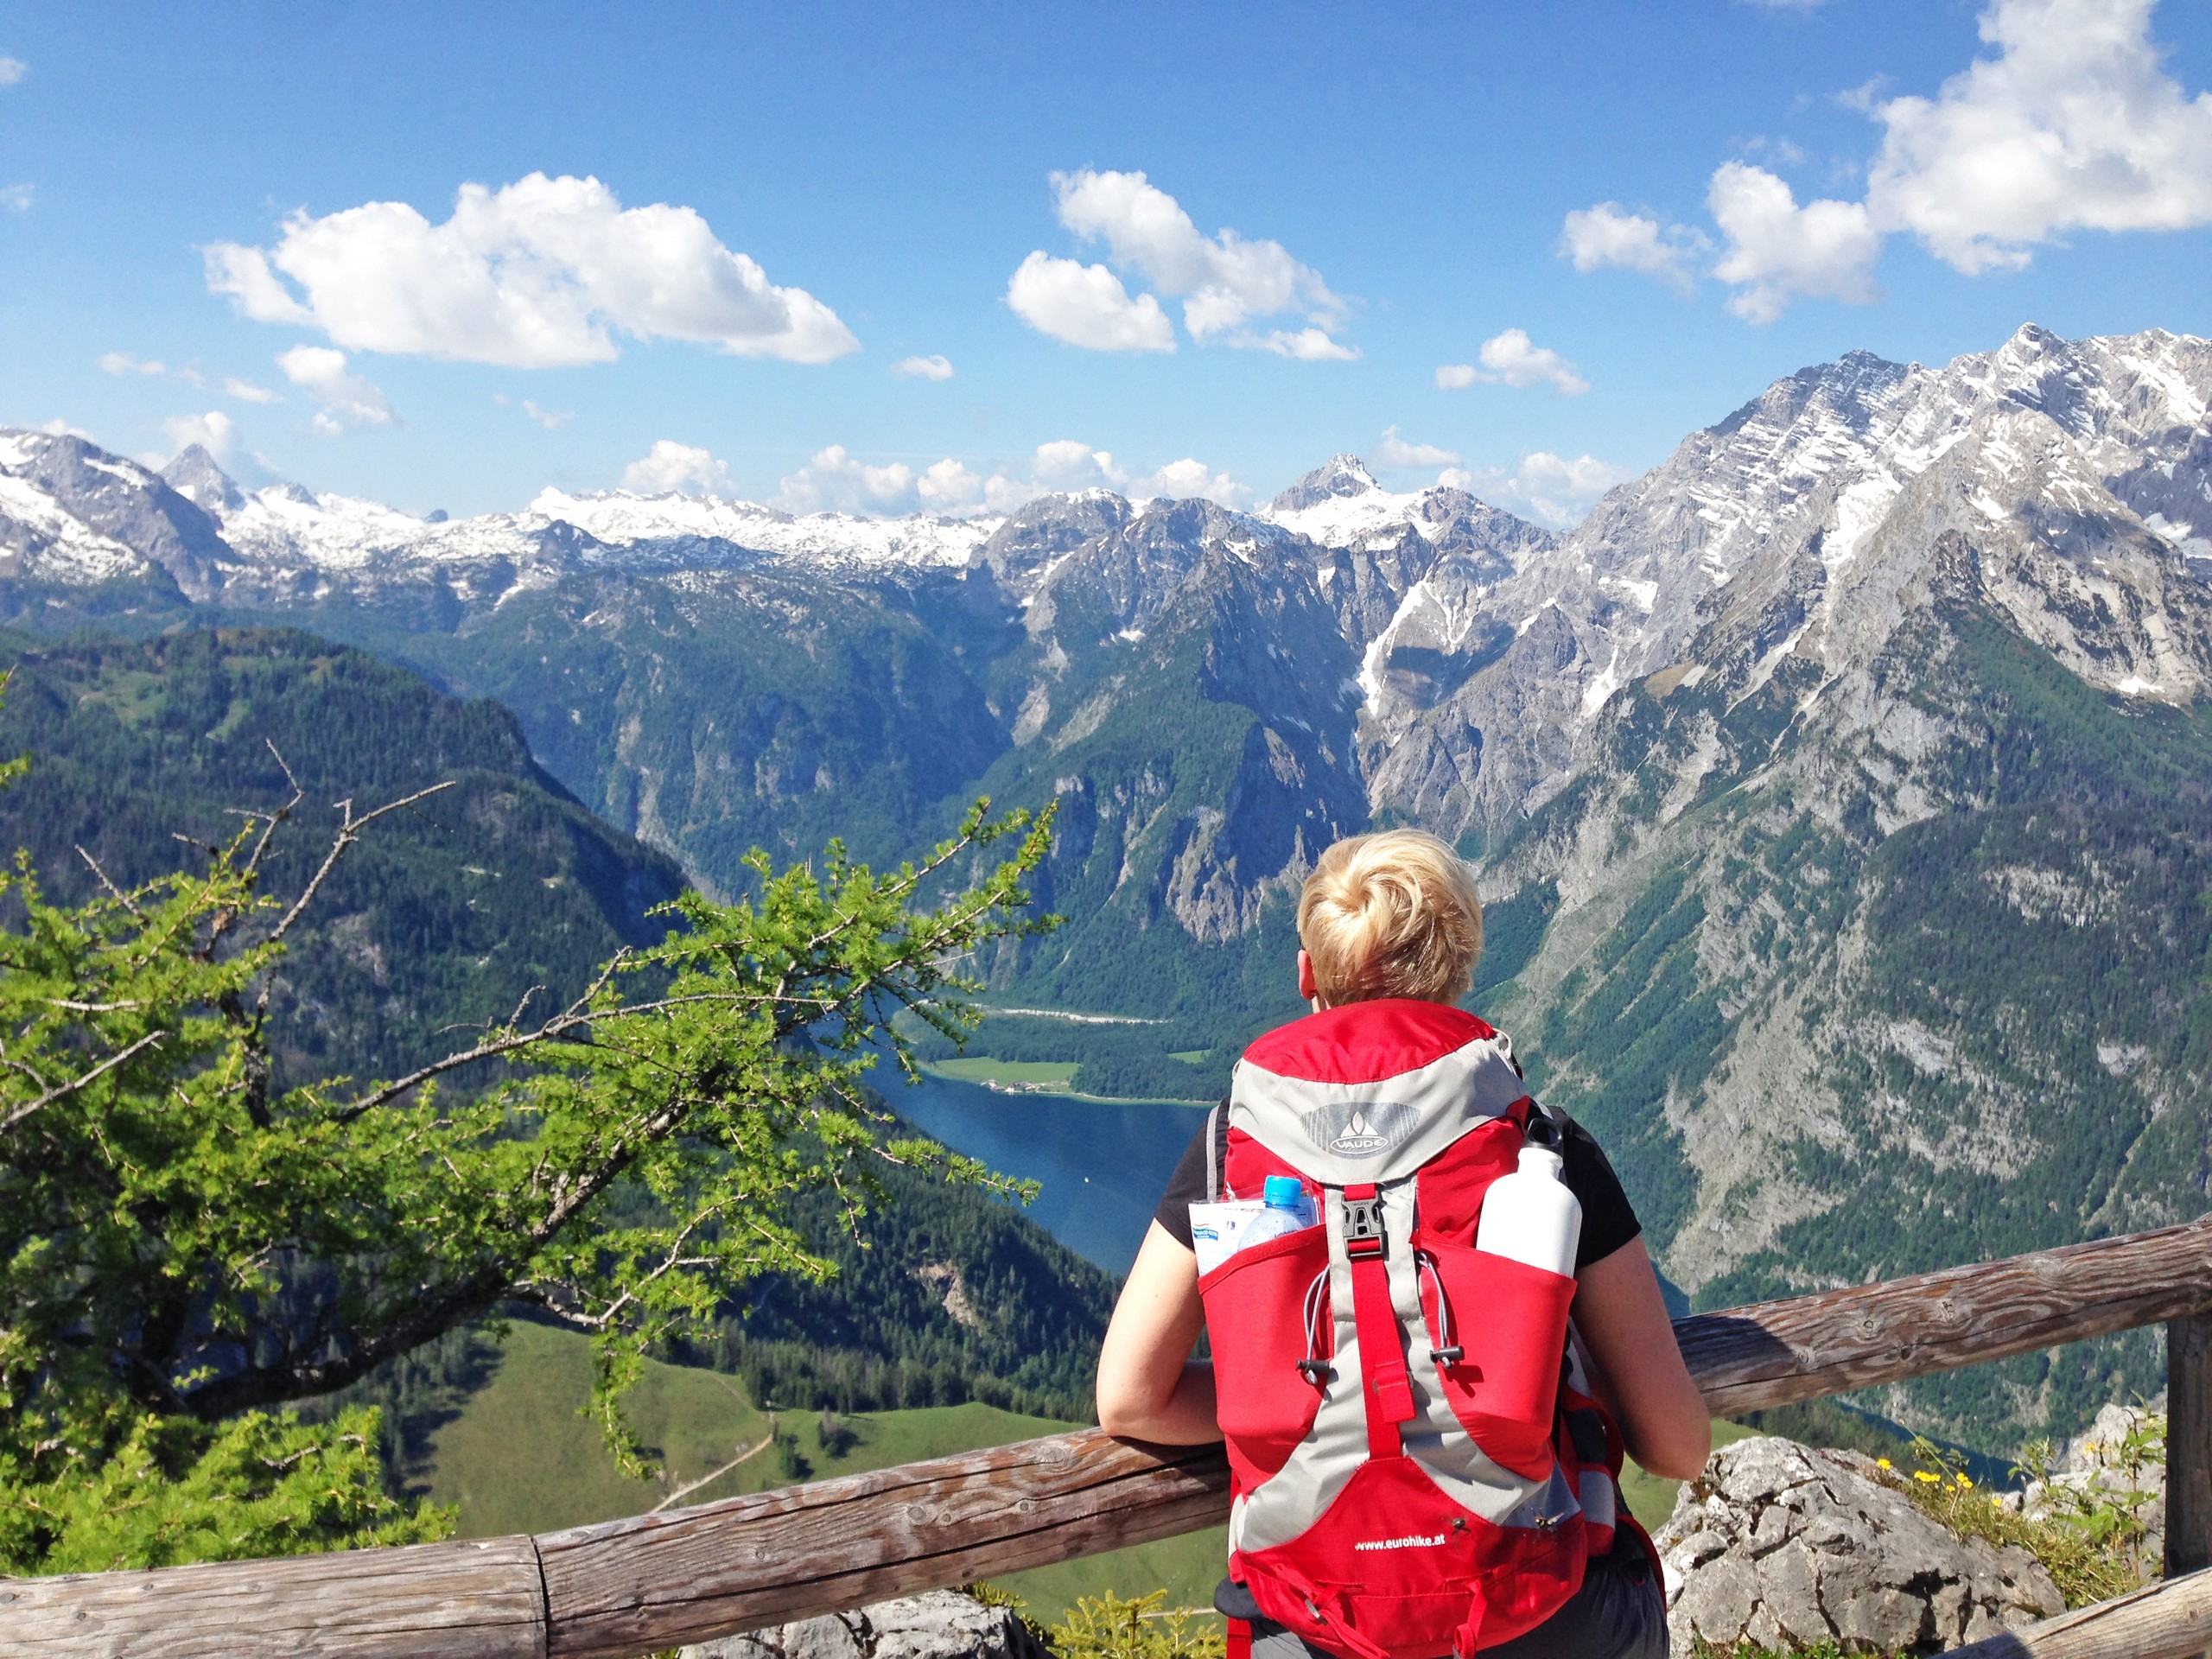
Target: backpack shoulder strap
(1216,1151)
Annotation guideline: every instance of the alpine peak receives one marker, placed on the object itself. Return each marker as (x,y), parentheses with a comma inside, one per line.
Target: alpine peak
(1338,476)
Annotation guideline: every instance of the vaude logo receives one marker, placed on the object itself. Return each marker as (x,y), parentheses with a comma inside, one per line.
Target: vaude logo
(1411,1540)
(1360,1128)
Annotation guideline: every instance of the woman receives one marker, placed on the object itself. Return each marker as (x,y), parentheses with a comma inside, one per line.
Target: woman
(1394,916)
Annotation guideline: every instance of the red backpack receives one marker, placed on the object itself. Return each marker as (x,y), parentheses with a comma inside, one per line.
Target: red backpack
(1417,1465)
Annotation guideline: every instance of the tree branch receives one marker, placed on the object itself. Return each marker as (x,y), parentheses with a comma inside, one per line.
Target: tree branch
(114,892)
(349,831)
(62,1089)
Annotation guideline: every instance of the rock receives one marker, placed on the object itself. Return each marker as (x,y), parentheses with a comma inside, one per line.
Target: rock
(1787,1547)
(942,1624)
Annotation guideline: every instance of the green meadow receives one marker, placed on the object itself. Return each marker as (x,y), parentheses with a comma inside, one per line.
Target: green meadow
(519,1458)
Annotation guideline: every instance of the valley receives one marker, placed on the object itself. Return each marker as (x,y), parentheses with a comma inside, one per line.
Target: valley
(1836,790)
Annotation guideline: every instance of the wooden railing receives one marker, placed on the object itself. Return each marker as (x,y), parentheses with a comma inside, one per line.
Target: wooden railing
(628,1587)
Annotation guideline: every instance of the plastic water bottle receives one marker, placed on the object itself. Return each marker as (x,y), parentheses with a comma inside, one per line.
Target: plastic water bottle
(1530,1215)
(1288,1210)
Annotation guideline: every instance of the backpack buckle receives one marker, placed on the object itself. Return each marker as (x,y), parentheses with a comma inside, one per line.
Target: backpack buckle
(1363,1234)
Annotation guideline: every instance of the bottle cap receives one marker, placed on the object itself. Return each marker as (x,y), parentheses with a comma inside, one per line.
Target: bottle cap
(1542,1160)
(1283,1192)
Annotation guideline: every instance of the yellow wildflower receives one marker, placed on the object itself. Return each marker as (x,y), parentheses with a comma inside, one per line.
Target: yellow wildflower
(1921,1474)
(1883,1463)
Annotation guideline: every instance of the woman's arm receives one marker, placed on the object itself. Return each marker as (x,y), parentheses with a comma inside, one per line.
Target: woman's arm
(1640,1377)
(1149,1388)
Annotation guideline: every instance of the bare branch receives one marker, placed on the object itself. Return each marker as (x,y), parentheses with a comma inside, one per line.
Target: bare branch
(349,831)
(273,821)
(114,892)
(515,1019)
(57,1092)
(577,1014)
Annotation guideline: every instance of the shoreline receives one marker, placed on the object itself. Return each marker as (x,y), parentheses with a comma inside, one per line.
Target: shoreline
(1063,1093)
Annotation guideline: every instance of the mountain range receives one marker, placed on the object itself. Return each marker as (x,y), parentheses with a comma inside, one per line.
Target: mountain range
(1837,789)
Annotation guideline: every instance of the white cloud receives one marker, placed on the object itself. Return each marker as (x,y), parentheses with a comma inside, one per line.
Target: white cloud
(1227,283)
(17,198)
(129,363)
(833,482)
(1395,452)
(1223,280)
(1608,234)
(1513,359)
(948,486)
(538,273)
(1086,306)
(923,368)
(1306,344)
(58,428)
(1188,479)
(246,392)
(1778,250)
(349,400)
(213,432)
(551,419)
(1066,464)
(12,70)
(670,467)
(1549,488)
(2074,124)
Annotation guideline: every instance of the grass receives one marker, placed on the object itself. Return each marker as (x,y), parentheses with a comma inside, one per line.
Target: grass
(1183,1570)
(1192,1056)
(1651,1499)
(1154,1626)
(2092,1554)
(519,1458)
(1007,1074)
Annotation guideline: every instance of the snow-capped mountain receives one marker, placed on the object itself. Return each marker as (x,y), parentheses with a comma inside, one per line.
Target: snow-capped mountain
(1486,648)
(2080,469)
(285,531)
(1837,787)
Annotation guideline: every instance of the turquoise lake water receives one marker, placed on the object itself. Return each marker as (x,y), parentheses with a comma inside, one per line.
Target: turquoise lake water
(1102,1169)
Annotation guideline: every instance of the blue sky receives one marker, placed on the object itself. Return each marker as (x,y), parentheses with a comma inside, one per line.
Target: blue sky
(1387,194)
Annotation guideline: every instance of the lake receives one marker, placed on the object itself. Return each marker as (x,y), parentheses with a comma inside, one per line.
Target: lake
(1102,1167)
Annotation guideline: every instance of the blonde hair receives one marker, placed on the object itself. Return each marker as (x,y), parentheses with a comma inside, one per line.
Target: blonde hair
(1391,914)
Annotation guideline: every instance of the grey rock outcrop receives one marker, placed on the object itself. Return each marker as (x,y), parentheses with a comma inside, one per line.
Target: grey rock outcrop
(942,1624)
(1785,1546)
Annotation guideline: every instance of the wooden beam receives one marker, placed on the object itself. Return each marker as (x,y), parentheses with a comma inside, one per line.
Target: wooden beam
(626,1588)
(479,1600)
(2188,1445)
(1772,1353)
(632,1587)
(2170,1620)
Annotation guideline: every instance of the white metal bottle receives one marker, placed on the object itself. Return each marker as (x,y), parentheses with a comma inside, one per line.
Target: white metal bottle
(1530,1215)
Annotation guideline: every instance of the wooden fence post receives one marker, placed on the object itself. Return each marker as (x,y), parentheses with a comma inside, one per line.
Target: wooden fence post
(2189,1444)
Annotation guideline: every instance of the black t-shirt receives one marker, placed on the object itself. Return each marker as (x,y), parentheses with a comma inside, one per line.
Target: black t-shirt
(1608,1220)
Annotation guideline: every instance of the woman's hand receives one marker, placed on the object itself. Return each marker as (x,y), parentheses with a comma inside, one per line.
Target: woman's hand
(1641,1377)
(1149,1388)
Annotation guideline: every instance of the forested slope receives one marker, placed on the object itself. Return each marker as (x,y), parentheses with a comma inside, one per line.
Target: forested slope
(446,915)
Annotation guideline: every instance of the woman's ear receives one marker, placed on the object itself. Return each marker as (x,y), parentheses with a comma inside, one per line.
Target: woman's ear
(1306,987)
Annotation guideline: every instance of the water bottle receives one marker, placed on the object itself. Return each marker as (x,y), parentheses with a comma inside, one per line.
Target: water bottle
(1288,1210)
(1530,1215)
